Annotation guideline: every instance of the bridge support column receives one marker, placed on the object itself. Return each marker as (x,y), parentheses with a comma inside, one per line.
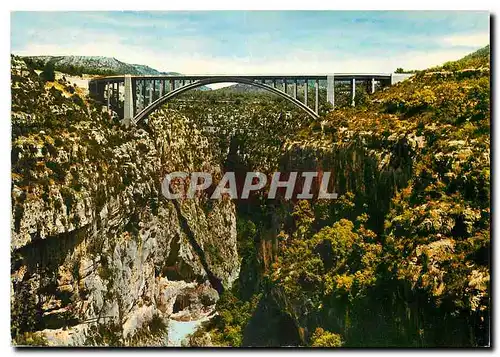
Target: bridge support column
(117,93)
(316,88)
(134,96)
(143,93)
(128,105)
(108,94)
(373,85)
(330,90)
(295,89)
(353,92)
(151,85)
(161,89)
(306,91)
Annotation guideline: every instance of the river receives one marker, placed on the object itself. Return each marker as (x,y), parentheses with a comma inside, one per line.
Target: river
(179,330)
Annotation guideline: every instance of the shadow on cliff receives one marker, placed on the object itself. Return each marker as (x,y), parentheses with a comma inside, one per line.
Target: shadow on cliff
(214,281)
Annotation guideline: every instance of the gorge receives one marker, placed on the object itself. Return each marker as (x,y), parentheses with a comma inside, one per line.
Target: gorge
(101,258)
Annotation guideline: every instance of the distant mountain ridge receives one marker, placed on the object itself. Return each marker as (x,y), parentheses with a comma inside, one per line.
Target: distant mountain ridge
(92,65)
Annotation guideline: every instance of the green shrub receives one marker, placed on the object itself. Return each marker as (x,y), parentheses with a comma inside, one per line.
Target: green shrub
(322,338)
(48,74)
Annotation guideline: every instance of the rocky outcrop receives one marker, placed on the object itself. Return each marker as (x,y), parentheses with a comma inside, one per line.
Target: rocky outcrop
(94,243)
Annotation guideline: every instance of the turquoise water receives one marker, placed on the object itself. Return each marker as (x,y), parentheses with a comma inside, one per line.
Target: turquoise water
(179,330)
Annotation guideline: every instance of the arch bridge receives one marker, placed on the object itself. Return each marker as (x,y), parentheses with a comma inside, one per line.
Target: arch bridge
(135,97)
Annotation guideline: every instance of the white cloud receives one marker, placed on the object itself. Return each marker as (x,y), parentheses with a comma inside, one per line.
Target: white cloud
(470,40)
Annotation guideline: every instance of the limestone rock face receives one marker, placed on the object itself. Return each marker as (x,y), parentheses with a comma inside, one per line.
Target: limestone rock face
(98,254)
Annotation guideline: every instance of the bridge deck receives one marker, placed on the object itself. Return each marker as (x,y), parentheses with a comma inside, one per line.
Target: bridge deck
(337,76)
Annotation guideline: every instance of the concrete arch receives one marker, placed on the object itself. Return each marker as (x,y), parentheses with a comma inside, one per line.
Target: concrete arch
(160,101)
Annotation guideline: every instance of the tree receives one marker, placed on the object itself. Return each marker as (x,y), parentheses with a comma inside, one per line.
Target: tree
(48,74)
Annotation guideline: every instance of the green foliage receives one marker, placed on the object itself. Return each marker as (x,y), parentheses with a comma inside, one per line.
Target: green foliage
(322,338)
(31,339)
(478,59)
(78,100)
(401,70)
(435,233)
(336,262)
(234,315)
(48,74)
(214,253)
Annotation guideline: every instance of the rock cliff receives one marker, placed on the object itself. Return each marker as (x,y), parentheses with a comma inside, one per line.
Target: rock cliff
(99,256)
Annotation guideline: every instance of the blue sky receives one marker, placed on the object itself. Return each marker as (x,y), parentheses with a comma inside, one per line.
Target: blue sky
(256,41)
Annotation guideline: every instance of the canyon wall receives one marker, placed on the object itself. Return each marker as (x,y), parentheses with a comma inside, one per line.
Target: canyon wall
(99,256)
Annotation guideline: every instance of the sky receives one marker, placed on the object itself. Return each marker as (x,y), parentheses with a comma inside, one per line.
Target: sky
(251,42)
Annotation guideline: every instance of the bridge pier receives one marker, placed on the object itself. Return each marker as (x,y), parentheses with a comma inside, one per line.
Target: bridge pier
(295,89)
(117,92)
(108,94)
(128,106)
(150,92)
(353,92)
(306,90)
(143,86)
(316,88)
(330,90)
